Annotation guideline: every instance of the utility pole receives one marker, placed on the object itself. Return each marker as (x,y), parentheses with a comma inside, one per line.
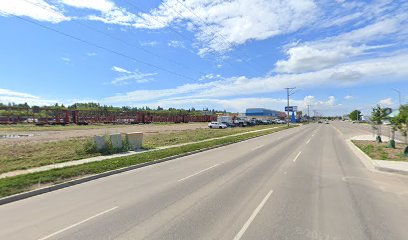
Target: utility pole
(308,113)
(289,92)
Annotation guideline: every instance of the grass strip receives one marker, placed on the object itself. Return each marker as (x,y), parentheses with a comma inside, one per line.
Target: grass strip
(22,183)
(36,154)
(380,151)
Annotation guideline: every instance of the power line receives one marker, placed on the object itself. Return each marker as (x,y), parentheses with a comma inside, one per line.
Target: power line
(101,47)
(122,41)
(161,22)
(229,43)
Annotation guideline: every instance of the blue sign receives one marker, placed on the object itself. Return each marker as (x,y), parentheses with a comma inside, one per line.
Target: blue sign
(291,109)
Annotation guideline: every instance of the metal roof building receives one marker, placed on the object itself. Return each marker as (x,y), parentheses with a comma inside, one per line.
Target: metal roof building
(262,112)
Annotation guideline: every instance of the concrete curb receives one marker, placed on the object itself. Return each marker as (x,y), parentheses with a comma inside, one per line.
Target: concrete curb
(370,163)
(392,170)
(24,195)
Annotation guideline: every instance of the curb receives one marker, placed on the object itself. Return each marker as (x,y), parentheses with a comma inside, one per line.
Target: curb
(24,195)
(370,163)
(392,170)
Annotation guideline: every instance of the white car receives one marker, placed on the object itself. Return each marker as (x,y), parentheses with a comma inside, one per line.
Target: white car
(278,121)
(217,125)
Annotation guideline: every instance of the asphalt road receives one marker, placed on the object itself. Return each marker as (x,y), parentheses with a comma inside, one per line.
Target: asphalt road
(302,183)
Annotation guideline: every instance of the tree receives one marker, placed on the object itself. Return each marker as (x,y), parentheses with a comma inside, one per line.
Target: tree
(377,116)
(401,121)
(355,115)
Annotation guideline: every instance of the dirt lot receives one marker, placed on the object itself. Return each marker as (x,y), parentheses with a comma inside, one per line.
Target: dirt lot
(58,135)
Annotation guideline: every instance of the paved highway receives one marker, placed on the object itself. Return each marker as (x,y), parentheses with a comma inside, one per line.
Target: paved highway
(302,183)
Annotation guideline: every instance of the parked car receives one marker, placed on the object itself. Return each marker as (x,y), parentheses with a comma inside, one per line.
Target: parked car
(217,125)
(279,121)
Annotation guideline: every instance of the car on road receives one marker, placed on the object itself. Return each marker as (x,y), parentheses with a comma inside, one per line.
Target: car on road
(217,125)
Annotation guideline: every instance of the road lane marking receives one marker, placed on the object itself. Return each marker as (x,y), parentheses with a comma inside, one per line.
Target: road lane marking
(252,217)
(255,148)
(308,141)
(78,223)
(198,173)
(294,160)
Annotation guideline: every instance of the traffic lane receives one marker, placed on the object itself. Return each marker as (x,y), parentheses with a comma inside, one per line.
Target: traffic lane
(195,209)
(79,202)
(314,201)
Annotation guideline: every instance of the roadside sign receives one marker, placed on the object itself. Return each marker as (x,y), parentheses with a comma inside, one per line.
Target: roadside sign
(291,109)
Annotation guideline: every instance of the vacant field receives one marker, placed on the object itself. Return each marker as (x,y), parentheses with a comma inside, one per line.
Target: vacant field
(59,133)
(379,151)
(34,154)
(17,184)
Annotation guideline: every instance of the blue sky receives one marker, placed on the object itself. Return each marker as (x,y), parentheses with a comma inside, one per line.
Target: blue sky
(341,55)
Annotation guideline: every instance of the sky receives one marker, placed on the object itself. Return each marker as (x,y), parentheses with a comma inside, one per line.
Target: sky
(230,55)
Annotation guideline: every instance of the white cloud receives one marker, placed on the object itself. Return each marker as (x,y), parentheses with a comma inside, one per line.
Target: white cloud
(37,9)
(120,70)
(65,59)
(9,93)
(176,44)
(386,69)
(222,24)
(149,44)
(210,76)
(8,96)
(387,102)
(321,54)
(127,76)
(91,54)
(348,97)
(100,5)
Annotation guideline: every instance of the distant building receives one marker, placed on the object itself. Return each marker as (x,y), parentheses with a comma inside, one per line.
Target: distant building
(264,113)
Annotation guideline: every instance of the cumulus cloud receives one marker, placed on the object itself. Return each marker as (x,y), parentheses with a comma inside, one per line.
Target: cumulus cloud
(334,50)
(125,76)
(220,25)
(387,102)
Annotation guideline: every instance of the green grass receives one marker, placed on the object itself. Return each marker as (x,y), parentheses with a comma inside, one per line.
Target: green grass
(21,183)
(29,155)
(379,151)
(32,127)
(165,139)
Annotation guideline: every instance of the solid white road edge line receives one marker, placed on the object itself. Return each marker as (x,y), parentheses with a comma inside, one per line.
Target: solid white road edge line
(252,217)
(198,173)
(294,160)
(257,147)
(78,223)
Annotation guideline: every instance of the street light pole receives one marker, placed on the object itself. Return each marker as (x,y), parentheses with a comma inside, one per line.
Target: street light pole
(308,113)
(289,92)
(399,95)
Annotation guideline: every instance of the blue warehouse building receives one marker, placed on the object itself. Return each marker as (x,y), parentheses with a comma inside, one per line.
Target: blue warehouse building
(262,112)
